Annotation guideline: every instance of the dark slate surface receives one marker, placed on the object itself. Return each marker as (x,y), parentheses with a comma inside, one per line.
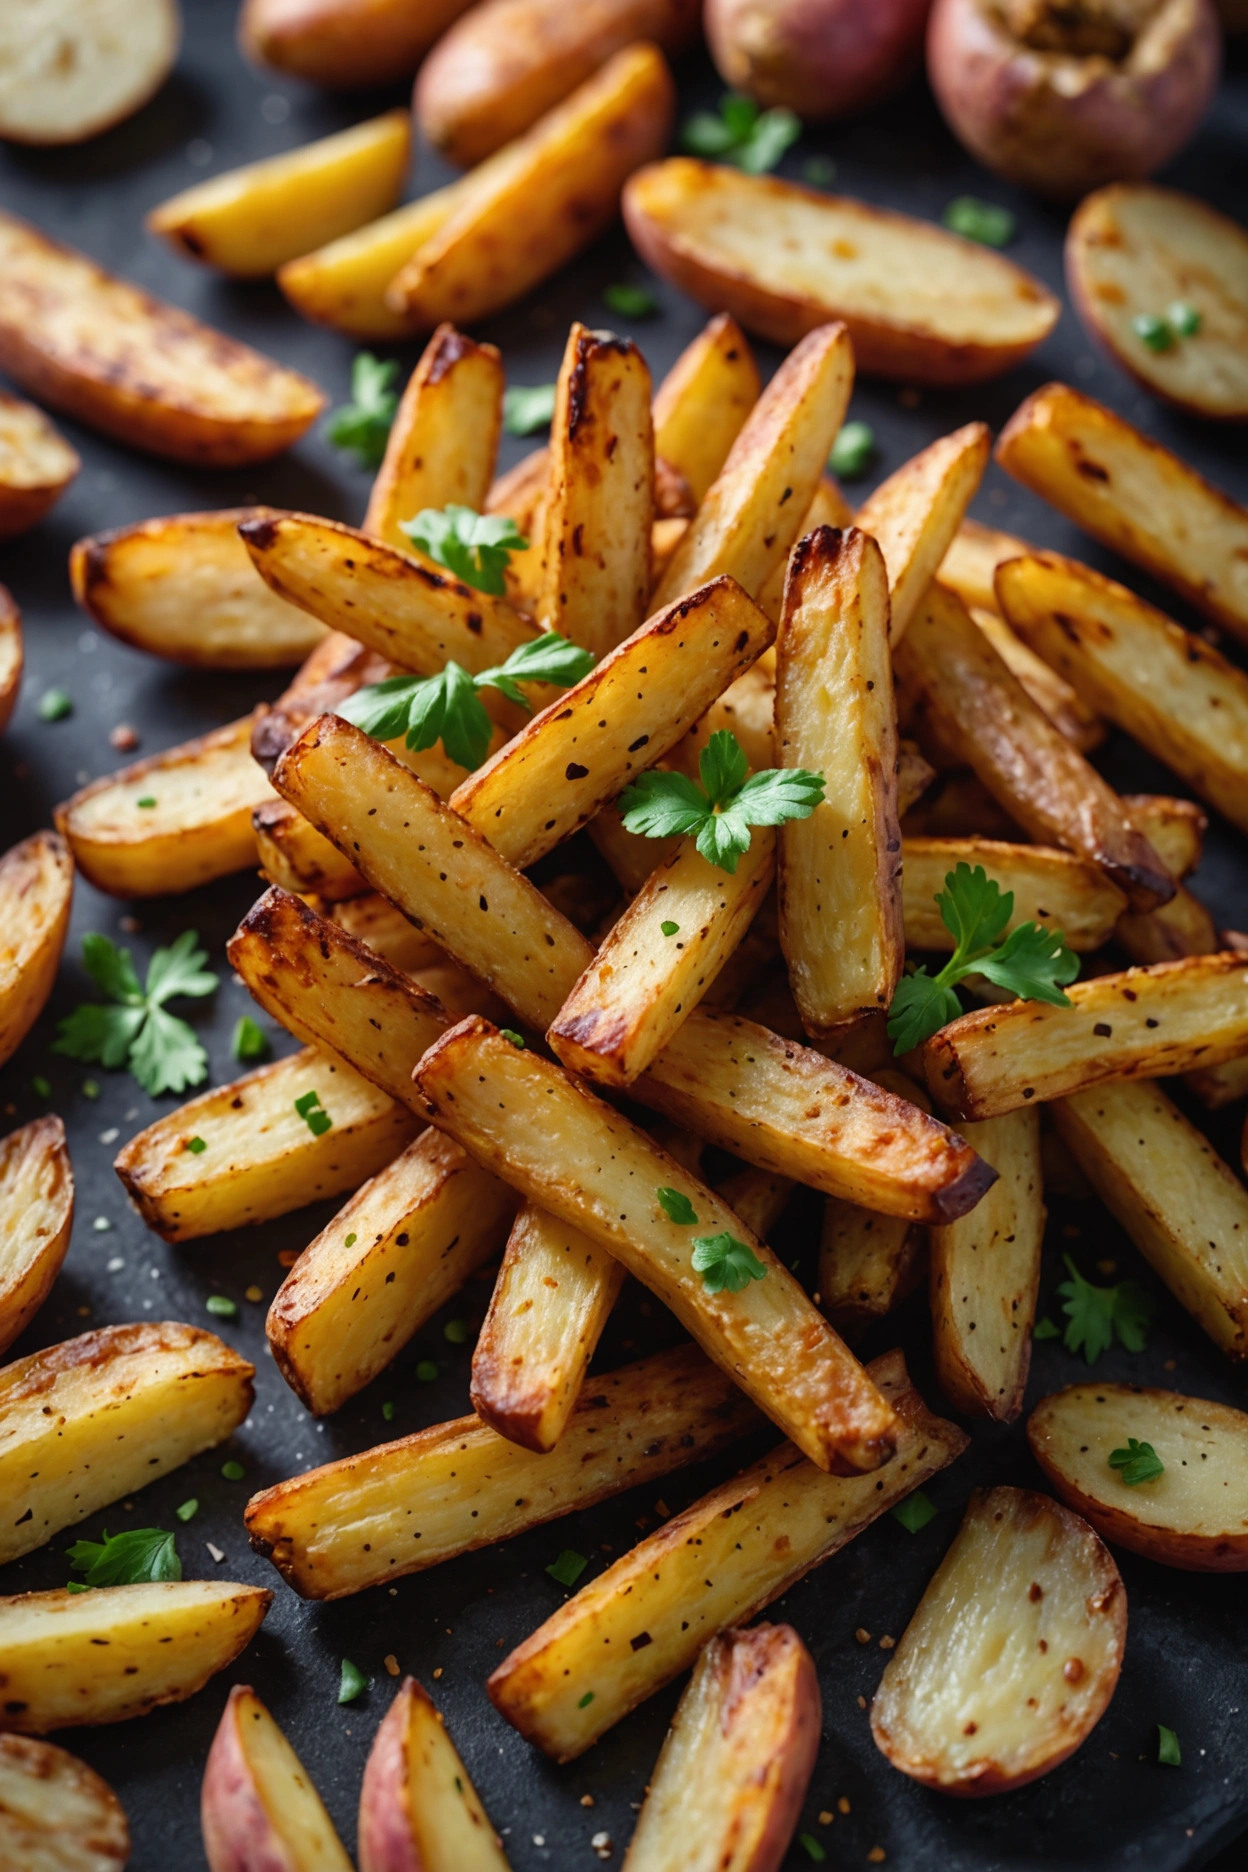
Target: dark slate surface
(1111,1807)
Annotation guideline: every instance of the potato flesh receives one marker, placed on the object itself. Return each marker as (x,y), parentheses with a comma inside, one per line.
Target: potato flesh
(33,454)
(449,1828)
(375,921)
(72,68)
(344,284)
(444,437)
(701,406)
(36,892)
(297,858)
(11,655)
(290,1803)
(36,1214)
(1052,888)
(868,1263)
(56,1814)
(915,514)
(412,1504)
(971,560)
(1051,693)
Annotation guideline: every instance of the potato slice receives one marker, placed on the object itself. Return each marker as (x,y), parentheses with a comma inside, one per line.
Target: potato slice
(921,304)
(1134,248)
(56,1814)
(1195,1515)
(74,68)
(1052,888)
(1013,1654)
(294,856)
(728,1787)
(93,1419)
(257,1803)
(1051,693)
(916,513)
(249,221)
(444,436)
(36,1215)
(341,43)
(1185,1209)
(868,1264)
(970,563)
(418,1808)
(36,893)
(702,404)
(12,655)
(117,1651)
(643,1620)
(36,462)
(136,368)
(261,1159)
(185,588)
(986,1275)
(1134,496)
(350,1524)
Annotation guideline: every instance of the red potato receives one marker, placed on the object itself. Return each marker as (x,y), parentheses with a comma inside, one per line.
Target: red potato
(36,1215)
(419,1812)
(56,1814)
(258,1810)
(820,58)
(344,44)
(1063,97)
(12,654)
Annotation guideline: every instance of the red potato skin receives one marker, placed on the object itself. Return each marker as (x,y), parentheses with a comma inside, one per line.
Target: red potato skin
(344,44)
(820,58)
(385,1842)
(238,1835)
(998,98)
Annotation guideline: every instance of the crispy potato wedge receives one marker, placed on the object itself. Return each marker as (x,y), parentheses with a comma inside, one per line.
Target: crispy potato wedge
(419,1811)
(643,1620)
(632,858)
(1195,1515)
(754,510)
(444,436)
(86,342)
(1170,1018)
(1133,495)
(396,1252)
(839,875)
(56,1814)
(1135,248)
(36,893)
(1051,693)
(344,44)
(1176,694)
(1180,928)
(258,1805)
(199,829)
(1216,1086)
(728,1787)
(1052,888)
(375,921)
(921,304)
(868,1264)
(36,465)
(828,507)
(185,588)
(1184,1209)
(916,513)
(970,564)
(334,670)
(986,1275)
(915,774)
(12,655)
(821,1396)
(250,221)
(1175,828)
(1012,1655)
(293,854)
(979,709)
(36,1215)
(748,709)
(547,195)
(93,1419)
(261,1159)
(414,1503)
(702,404)
(118,1651)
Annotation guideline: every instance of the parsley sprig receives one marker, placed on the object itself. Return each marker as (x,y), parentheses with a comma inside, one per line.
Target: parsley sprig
(720,812)
(741,134)
(723,1261)
(362,426)
(1032,963)
(128,1559)
(447,707)
(1139,1462)
(528,408)
(1096,1316)
(136,1029)
(475,547)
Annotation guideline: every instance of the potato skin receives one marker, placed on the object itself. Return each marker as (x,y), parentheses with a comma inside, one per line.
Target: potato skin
(820,58)
(345,44)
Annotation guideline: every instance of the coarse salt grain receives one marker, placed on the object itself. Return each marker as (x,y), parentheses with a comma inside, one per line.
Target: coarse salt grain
(216,1552)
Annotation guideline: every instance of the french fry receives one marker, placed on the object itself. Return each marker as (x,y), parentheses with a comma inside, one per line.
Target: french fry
(36,894)
(970,564)
(1052,888)
(915,514)
(1176,694)
(1183,1208)
(753,512)
(261,1159)
(838,875)
(747,709)
(258,1804)
(86,342)
(644,1620)
(1133,495)
(93,1419)
(56,1813)
(387,932)
(1216,1086)
(444,437)
(249,221)
(1051,693)
(36,1215)
(979,709)
(631,857)
(117,1651)
(868,1263)
(1183,927)
(1174,827)
(11,655)
(599,502)
(1170,1018)
(199,828)
(828,507)
(295,856)
(37,465)
(418,1807)
(335,670)
(702,404)
(427,1498)
(986,1274)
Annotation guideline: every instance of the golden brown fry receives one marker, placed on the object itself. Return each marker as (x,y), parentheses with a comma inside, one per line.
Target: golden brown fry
(36,895)
(868,1263)
(36,465)
(1051,693)
(916,513)
(969,566)
(444,437)
(36,1215)
(702,404)
(1052,888)
(747,709)
(56,1813)
(294,855)
(11,655)
(375,921)
(1183,927)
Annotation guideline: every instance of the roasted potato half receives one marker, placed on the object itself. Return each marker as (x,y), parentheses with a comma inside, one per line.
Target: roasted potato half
(75,69)
(257,1805)
(1193,1513)
(36,1215)
(36,892)
(56,1814)
(36,465)
(345,44)
(12,655)
(1013,1654)
(419,1812)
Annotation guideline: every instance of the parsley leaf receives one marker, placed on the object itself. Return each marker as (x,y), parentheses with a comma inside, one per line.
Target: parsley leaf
(914,1511)
(161,1051)
(362,426)
(723,1261)
(528,408)
(1139,1462)
(630,301)
(677,1207)
(567,1569)
(719,812)
(1032,963)
(852,451)
(352,1683)
(127,1559)
(475,547)
(741,134)
(1097,1315)
(985,222)
(1169,1753)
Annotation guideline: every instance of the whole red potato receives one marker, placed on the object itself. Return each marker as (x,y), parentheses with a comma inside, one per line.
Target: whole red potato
(1065,95)
(820,58)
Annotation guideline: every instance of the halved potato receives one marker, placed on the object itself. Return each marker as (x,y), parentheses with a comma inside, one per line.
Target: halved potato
(344,43)
(921,304)
(419,1812)
(12,655)
(1013,1654)
(70,69)
(916,513)
(1194,1515)
(257,1805)
(1133,249)
(56,1814)
(36,1215)
(115,1652)
(444,436)
(36,893)
(185,588)
(36,463)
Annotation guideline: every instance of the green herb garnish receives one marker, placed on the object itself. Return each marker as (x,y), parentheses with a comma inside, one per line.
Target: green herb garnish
(1169,1753)
(1183,319)
(636,302)
(387,1411)
(528,408)
(233,1471)
(222,1306)
(477,548)
(1098,1315)
(41,1087)
(567,1569)
(362,426)
(1139,1462)
(426,1371)
(188,1510)
(250,1041)
(669,928)
(1153,331)
(136,1029)
(1046,1329)
(55,705)
(720,812)
(455,1332)
(852,450)
(352,1684)
(677,1207)
(309,1107)
(819,171)
(509,1033)
(915,1511)
(811,1847)
(127,1559)
(196,1146)
(980,221)
(724,1262)
(741,134)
